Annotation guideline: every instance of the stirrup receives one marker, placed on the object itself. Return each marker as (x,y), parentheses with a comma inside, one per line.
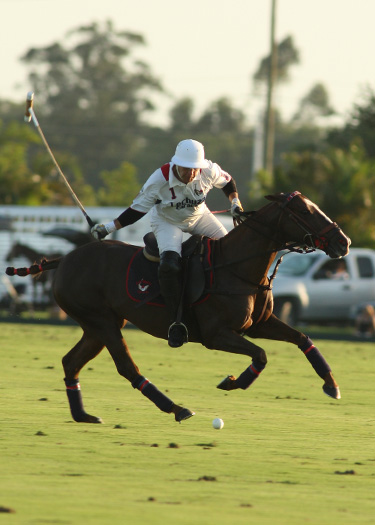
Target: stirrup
(177,335)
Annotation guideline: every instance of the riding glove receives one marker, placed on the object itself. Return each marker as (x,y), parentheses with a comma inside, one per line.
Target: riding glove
(99,231)
(236,208)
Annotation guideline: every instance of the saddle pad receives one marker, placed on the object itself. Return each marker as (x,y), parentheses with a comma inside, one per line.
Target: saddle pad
(142,283)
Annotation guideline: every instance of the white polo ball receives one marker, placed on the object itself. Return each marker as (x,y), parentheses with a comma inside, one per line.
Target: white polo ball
(218,423)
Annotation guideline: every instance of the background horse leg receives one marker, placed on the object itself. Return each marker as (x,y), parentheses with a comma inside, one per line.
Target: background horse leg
(109,333)
(85,350)
(276,330)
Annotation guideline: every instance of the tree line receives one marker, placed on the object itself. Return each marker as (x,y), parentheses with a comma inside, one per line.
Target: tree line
(94,99)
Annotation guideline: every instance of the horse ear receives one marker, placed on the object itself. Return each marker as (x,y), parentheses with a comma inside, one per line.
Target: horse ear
(275,197)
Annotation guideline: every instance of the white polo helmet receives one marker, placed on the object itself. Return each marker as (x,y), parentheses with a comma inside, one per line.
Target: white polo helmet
(190,154)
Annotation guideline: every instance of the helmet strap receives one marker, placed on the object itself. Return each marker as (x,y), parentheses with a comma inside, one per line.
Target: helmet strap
(178,174)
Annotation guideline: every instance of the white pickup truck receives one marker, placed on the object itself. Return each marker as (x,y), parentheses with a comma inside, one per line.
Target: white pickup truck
(309,287)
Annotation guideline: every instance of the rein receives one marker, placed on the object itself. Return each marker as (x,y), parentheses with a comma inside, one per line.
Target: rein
(291,247)
(313,239)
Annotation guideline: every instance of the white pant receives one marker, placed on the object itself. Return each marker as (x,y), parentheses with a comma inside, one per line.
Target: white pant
(170,236)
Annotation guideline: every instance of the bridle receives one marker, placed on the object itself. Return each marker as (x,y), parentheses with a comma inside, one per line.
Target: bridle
(313,238)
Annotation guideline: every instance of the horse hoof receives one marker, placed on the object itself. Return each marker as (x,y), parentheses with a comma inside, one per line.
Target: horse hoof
(97,420)
(87,418)
(227,384)
(332,391)
(183,414)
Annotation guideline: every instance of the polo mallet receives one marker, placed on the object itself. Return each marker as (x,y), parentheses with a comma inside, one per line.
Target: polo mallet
(30,115)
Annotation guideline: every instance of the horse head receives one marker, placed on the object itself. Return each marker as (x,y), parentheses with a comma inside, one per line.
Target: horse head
(306,223)
(13,252)
(18,250)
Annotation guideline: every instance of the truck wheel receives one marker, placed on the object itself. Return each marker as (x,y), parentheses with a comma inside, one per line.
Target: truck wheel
(287,311)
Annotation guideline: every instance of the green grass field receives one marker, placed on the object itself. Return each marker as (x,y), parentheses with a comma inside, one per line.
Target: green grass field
(287,454)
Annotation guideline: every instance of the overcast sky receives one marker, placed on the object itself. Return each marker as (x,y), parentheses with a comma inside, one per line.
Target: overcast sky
(207,49)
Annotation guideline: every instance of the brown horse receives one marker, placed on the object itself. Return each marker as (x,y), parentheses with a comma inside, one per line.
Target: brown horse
(87,286)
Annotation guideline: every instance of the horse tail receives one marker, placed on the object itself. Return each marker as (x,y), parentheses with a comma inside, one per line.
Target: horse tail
(35,269)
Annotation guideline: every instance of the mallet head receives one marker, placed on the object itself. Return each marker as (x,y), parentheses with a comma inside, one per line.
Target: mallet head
(29,104)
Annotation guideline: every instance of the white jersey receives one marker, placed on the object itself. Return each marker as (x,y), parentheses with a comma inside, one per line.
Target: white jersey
(176,202)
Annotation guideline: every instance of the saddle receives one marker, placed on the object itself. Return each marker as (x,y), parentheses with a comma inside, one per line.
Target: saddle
(142,283)
(192,246)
